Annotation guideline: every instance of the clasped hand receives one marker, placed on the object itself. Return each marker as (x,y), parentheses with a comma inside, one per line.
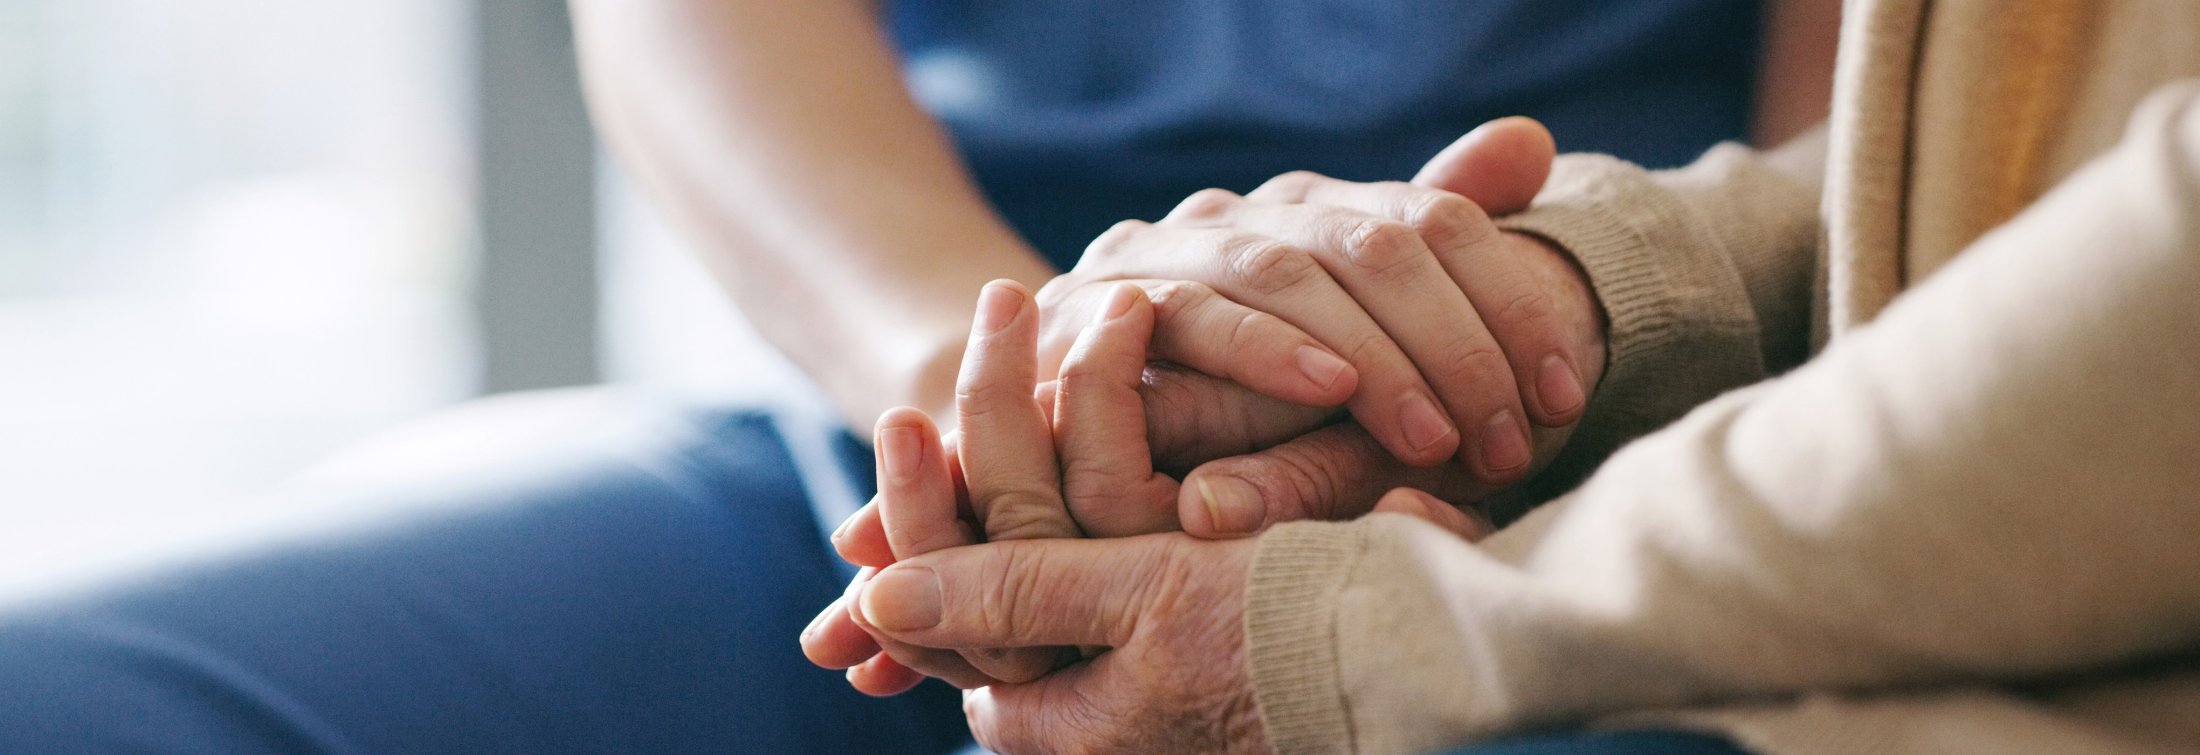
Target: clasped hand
(1218,341)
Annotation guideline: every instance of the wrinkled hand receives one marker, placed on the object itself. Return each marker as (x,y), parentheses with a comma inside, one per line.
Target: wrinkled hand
(1012,483)
(1169,608)
(1191,415)
(1171,604)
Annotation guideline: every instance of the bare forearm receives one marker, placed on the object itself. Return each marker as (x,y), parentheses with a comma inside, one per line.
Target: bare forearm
(832,209)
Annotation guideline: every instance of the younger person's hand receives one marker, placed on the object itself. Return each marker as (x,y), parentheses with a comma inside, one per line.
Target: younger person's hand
(1538,307)
(1464,339)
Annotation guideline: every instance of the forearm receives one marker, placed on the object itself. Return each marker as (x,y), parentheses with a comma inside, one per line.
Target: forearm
(832,209)
(1991,482)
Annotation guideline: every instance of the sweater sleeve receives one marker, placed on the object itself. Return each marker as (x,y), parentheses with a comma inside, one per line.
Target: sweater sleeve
(1704,273)
(1993,481)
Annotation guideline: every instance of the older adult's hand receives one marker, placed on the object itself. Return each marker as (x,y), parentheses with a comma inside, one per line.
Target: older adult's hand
(1186,688)
(1110,487)
(1169,608)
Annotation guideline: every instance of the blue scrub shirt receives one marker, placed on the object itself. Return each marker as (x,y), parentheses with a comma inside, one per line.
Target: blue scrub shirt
(1075,114)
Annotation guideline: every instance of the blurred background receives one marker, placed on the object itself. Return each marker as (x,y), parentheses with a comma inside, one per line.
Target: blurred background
(237,236)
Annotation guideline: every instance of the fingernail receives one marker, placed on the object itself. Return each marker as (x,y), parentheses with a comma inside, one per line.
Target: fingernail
(997,307)
(1423,422)
(1504,447)
(1119,303)
(1321,367)
(841,532)
(1557,387)
(899,447)
(902,600)
(1233,506)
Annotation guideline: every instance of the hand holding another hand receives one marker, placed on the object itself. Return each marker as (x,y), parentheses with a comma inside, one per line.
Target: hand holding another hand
(1165,611)
(1463,338)
(1473,302)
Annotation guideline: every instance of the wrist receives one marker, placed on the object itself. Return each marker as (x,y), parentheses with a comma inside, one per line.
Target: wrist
(909,346)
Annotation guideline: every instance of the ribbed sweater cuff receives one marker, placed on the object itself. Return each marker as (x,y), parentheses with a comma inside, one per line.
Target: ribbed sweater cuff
(1291,604)
(1681,326)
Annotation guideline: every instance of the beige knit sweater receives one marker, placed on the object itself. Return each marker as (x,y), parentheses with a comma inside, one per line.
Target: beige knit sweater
(1969,523)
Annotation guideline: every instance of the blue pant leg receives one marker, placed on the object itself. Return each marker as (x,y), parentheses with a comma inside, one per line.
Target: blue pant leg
(644,598)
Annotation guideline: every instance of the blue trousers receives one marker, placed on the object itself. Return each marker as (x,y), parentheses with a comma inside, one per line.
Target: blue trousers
(642,595)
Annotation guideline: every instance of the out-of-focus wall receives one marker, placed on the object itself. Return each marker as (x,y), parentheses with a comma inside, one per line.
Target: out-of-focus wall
(234,235)
(237,236)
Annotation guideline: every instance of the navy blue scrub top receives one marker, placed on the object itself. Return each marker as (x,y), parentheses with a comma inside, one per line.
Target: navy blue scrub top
(1075,114)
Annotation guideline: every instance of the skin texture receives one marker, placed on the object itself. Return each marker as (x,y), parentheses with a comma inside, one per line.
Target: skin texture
(1171,603)
(1089,468)
(1369,270)
(1264,462)
(836,214)
(831,208)
(1039,598)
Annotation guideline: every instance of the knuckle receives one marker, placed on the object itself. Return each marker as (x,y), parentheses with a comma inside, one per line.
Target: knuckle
(1525,308)
(1367,346)
(1252,330)
(1173,570)
(1475,361)
(1442,217)
(1172,299)
(1102,392)
(1381,245)
(979,397)
(1267,266)
(1022,513)
(1206,203)
(1083,370)
(1000,610)
(1094,485)
(1083,381)
(1111,241)
(1289,187)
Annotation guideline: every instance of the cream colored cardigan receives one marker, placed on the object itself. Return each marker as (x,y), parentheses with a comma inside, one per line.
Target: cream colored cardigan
(1969,523)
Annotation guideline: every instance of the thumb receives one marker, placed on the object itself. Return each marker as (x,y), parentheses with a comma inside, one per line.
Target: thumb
(1428,508)
(1500,165)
